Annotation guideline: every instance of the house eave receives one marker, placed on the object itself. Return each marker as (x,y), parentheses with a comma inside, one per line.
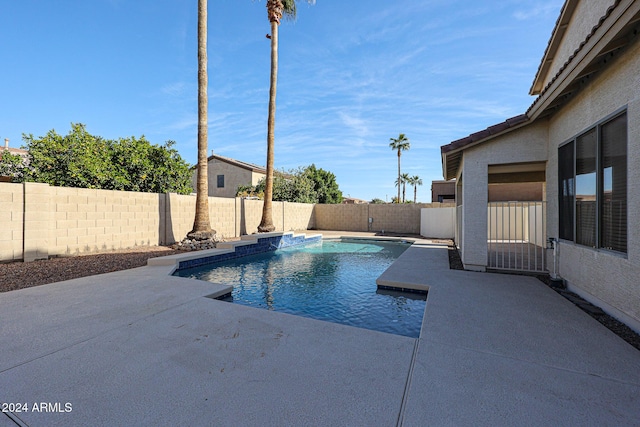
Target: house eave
(613,33)
(452,152)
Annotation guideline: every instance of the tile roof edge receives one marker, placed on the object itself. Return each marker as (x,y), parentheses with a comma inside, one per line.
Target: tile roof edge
(238,163)
(490,131)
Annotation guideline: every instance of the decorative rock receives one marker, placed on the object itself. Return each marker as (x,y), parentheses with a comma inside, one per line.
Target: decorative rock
(196,244)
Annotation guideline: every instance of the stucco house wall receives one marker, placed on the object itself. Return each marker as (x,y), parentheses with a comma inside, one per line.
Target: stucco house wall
(603,277)
(519,146)
(235,174)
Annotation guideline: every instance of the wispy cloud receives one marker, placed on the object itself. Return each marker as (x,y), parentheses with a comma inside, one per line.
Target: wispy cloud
(538,9)
(174,89)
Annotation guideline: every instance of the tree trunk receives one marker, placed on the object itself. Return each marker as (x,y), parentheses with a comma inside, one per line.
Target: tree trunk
(266,223)
(398,199)
(415,193)
(201,224)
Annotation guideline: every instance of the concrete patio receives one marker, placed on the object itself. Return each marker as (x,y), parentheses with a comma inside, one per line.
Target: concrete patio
(139,347)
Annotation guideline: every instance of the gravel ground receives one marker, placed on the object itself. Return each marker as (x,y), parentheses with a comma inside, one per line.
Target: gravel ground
(19,275)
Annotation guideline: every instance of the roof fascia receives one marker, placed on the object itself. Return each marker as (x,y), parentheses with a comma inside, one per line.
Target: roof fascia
(552,47)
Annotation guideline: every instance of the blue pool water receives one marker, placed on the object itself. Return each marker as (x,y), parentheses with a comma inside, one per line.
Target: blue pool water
(331,280)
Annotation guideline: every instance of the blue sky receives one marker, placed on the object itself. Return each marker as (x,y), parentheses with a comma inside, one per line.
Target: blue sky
(352,74)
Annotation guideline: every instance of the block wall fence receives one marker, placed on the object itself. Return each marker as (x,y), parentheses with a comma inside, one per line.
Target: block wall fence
(38,221)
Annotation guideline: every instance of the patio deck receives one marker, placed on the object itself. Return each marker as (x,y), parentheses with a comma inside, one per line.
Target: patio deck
(140,347)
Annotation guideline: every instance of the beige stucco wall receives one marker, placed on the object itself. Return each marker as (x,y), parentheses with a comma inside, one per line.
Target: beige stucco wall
(234,176)
(527,144)
(584,18)
(605,278)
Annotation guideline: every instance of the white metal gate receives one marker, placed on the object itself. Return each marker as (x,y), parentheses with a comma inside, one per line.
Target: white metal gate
(517,236)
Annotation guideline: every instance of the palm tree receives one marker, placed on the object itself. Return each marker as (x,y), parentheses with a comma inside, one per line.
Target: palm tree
(415,181)
(201,224)
(401,143)
(398,183)
(405,178)
(276,9)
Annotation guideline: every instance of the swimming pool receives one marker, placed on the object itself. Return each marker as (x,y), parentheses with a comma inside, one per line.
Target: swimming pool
(332,280)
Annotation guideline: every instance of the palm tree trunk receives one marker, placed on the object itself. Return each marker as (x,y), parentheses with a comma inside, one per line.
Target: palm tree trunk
(404,191)
(201,224)
(266,223)
(415,193)
(398,199)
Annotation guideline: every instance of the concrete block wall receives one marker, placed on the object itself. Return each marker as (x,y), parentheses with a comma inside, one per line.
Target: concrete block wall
(87,220)
(11,221)
(251,216)
(37,218)
(179,217)
(392,218)
(342,217)
(298,216)
(404,218)
(39,221)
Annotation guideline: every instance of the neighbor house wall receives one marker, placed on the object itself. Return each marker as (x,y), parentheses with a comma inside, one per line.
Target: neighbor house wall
(234,176)
(527,144)
(605,278)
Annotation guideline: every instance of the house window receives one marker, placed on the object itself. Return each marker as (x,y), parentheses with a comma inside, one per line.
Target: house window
(566,180)
(592,186)
(220,181)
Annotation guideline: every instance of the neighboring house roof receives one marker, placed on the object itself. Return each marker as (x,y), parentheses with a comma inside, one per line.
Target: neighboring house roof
(353,201)
(244,165)
(14,151)
(24,154)
(613,32)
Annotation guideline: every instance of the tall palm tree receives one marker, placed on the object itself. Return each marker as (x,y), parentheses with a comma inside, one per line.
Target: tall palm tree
(401,143)
(201,224)
(415,181)
(276,9)
(405,178)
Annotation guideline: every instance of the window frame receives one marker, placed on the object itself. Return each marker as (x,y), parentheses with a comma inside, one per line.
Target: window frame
(599,187)
(220,179)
